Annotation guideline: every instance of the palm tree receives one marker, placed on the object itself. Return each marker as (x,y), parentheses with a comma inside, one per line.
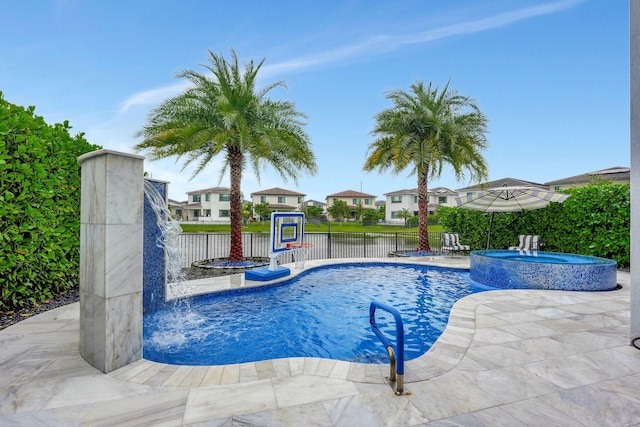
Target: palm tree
(223,115)
(404,214)
(425,129)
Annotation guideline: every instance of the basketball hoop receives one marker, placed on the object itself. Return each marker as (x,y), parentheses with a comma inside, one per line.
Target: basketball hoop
(301,253)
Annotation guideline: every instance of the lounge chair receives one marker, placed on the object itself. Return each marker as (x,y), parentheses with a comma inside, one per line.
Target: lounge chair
(451,243)
(527,242)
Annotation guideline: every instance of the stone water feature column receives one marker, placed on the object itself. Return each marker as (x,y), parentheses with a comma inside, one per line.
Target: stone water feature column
(111,257)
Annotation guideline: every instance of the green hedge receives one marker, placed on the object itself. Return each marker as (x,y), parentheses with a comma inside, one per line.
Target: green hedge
(595,220)
(39,206)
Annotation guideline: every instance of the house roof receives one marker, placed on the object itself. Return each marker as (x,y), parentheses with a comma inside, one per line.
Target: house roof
(315,203)
(442,190)
(435,190)
(405,191)
(281,206)
(223,190)
(616,173)
(350,193)
(276,191)
(504,181)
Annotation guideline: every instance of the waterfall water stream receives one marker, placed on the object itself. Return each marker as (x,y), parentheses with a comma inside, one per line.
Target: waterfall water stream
(167,240)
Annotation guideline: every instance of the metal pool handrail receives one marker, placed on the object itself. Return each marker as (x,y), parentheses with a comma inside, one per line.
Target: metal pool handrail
(396,369)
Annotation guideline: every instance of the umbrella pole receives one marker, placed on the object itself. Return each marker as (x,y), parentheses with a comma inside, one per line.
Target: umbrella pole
(490,225)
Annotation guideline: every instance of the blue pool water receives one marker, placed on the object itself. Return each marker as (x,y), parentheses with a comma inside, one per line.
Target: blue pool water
(323,312)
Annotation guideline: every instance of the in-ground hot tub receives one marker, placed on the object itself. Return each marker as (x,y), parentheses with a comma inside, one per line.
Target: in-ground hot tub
(543,270)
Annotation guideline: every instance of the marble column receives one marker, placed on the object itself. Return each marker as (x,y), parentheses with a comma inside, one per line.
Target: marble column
(634,14)
(111,256)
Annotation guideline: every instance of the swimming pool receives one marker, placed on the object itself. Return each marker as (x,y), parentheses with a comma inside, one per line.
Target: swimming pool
(323,312)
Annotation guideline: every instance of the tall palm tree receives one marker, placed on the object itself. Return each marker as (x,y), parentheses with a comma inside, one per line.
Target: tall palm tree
(424,130)
(222,114)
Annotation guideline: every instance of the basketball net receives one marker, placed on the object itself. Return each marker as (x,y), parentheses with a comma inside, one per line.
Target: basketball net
(299,253)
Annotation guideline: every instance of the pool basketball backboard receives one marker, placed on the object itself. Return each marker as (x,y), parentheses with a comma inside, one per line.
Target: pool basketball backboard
(287,230)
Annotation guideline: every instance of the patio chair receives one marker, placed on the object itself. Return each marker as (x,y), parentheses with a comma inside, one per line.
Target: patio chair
(527,242)
(451,243)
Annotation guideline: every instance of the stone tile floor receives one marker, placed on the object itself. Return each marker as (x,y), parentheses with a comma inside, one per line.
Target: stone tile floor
(506,358)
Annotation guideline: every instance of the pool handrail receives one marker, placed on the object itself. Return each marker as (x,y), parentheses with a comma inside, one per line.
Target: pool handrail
(396,369)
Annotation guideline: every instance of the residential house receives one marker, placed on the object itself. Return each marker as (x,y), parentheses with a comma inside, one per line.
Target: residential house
(616,174)
(209,204)
(176,208)
(316,203)
(354,199)
(397,201)
(279,199)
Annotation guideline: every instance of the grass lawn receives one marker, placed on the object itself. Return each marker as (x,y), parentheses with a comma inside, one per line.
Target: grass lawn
(336,227)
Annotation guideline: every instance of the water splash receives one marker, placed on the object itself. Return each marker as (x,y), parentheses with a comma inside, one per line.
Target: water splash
(168,240)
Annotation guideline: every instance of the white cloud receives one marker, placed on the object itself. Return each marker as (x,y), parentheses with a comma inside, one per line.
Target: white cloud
(385,43)
(373,45)
(153,96)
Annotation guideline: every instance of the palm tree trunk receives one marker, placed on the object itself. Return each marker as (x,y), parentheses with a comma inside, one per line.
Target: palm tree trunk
(423,209)
(235,199)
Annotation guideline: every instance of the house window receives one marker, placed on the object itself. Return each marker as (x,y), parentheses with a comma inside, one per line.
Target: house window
(355,201)
(223,213)
(393,214)
(196,213)
(196,197)
(367,202)
(442,199)
(557,187)
(396,199)
(415,199)
(263,199)
(281,199)
(223,197)
(300,199)
(207,212)
(207,197)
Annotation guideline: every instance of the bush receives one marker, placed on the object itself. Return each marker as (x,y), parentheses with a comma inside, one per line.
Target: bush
(39,206)
(595,221)
(412,222)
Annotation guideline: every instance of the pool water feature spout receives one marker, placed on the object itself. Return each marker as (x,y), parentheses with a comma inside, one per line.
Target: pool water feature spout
(122,256)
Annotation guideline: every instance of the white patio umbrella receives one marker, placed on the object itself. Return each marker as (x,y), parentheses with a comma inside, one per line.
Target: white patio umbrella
(509,199)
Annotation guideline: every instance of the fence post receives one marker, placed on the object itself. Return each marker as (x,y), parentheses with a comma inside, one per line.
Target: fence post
(207,244)
(364,242)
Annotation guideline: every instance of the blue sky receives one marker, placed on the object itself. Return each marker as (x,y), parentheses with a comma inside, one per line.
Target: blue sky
(551,76)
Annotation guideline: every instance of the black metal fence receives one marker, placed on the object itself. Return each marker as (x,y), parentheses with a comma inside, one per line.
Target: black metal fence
(202,246)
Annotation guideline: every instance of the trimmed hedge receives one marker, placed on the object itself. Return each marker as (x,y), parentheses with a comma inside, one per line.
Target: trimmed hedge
(595,221)
(39,206)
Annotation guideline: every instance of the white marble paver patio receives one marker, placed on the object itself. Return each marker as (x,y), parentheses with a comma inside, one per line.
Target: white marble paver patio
(506,358)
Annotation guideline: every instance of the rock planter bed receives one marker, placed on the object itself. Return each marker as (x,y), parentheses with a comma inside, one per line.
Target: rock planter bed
(231,267)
